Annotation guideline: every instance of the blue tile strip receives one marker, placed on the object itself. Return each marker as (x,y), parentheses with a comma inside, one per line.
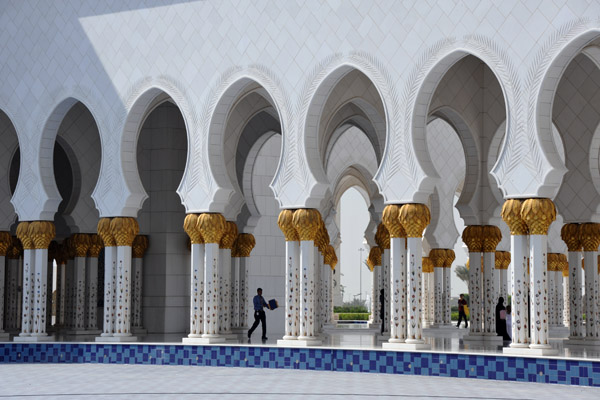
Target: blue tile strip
(523,369)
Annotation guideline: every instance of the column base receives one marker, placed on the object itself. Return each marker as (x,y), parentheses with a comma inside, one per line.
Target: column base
(79,332)
(117,339)
(558,332)
(581,342)
(45,338)
(405,346)
(203,340)
(528,351)
(302,341)
(383,338)
(483,338)
(139,330)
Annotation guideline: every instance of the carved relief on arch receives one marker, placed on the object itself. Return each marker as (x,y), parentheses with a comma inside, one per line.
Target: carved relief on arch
(406,174)
(119,191)
(206,184)
(36,196)
(529,165)
(300,181)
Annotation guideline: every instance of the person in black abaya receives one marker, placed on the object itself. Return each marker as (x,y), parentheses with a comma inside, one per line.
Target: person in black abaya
(501,319)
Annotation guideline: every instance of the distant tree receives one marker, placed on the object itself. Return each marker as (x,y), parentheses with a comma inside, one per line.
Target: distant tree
(463,274)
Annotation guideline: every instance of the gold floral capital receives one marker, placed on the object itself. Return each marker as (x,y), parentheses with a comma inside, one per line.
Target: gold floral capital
(570,235)
(538,214)
(81,244)
(491,237)
(287,226)
(124,230)
(105,232)
(23,235)
(139,246)
(437,257)
(589,236)
(229,236)
(245,243)
(190,226)
(96,246)
(427,264)
(375,255)
(450,257)
(391,219)
(472,236)
(382,237)
(511,214)
(5,242)
(211,227)
(307,222)
(414,218)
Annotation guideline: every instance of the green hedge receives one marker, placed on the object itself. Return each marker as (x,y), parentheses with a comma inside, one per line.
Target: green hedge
(354,316)
(350,309)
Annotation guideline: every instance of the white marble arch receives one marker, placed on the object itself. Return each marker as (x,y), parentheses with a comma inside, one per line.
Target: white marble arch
(347,91)
(9,144)
(41,203)
(119,191)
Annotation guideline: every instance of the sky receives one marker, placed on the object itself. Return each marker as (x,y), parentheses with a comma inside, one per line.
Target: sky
(354,217)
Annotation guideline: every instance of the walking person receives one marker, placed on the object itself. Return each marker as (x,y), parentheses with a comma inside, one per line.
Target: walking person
(259,314)
(461,311)
(509,321)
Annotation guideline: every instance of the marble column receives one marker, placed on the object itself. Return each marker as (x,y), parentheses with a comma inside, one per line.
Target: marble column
(61,286)
(96,246)
(212,228)
(307,222)
(511,214)
(589,235)
(245,242)
(552,261)
(566,315)
(375,318)
(224,274)
(428,291)
(414,218)
(81,244)
(382,238)
(140,244)
(110,267)
(491,237)
(570,235)
(28,278)
(438,258)
(450,257)
(12,285)
(538,214)
(560,294)
(374,263)
(124,230)
(190,225)
(38,236)
(5,243)
(473,237)
(52,247)
(398,287)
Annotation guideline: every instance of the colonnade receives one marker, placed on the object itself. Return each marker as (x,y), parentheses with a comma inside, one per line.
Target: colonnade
(309,295)
(219,278)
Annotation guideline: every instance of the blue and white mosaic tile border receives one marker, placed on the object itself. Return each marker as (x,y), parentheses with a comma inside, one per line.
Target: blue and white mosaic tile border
(524,369)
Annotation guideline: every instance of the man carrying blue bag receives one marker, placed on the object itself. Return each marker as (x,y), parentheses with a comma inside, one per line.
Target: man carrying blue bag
(259,313)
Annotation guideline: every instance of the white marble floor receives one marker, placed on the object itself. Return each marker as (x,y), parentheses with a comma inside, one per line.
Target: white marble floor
(96,381)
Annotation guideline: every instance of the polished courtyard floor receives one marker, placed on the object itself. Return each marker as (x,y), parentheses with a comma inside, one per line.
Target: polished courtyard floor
(96,381)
